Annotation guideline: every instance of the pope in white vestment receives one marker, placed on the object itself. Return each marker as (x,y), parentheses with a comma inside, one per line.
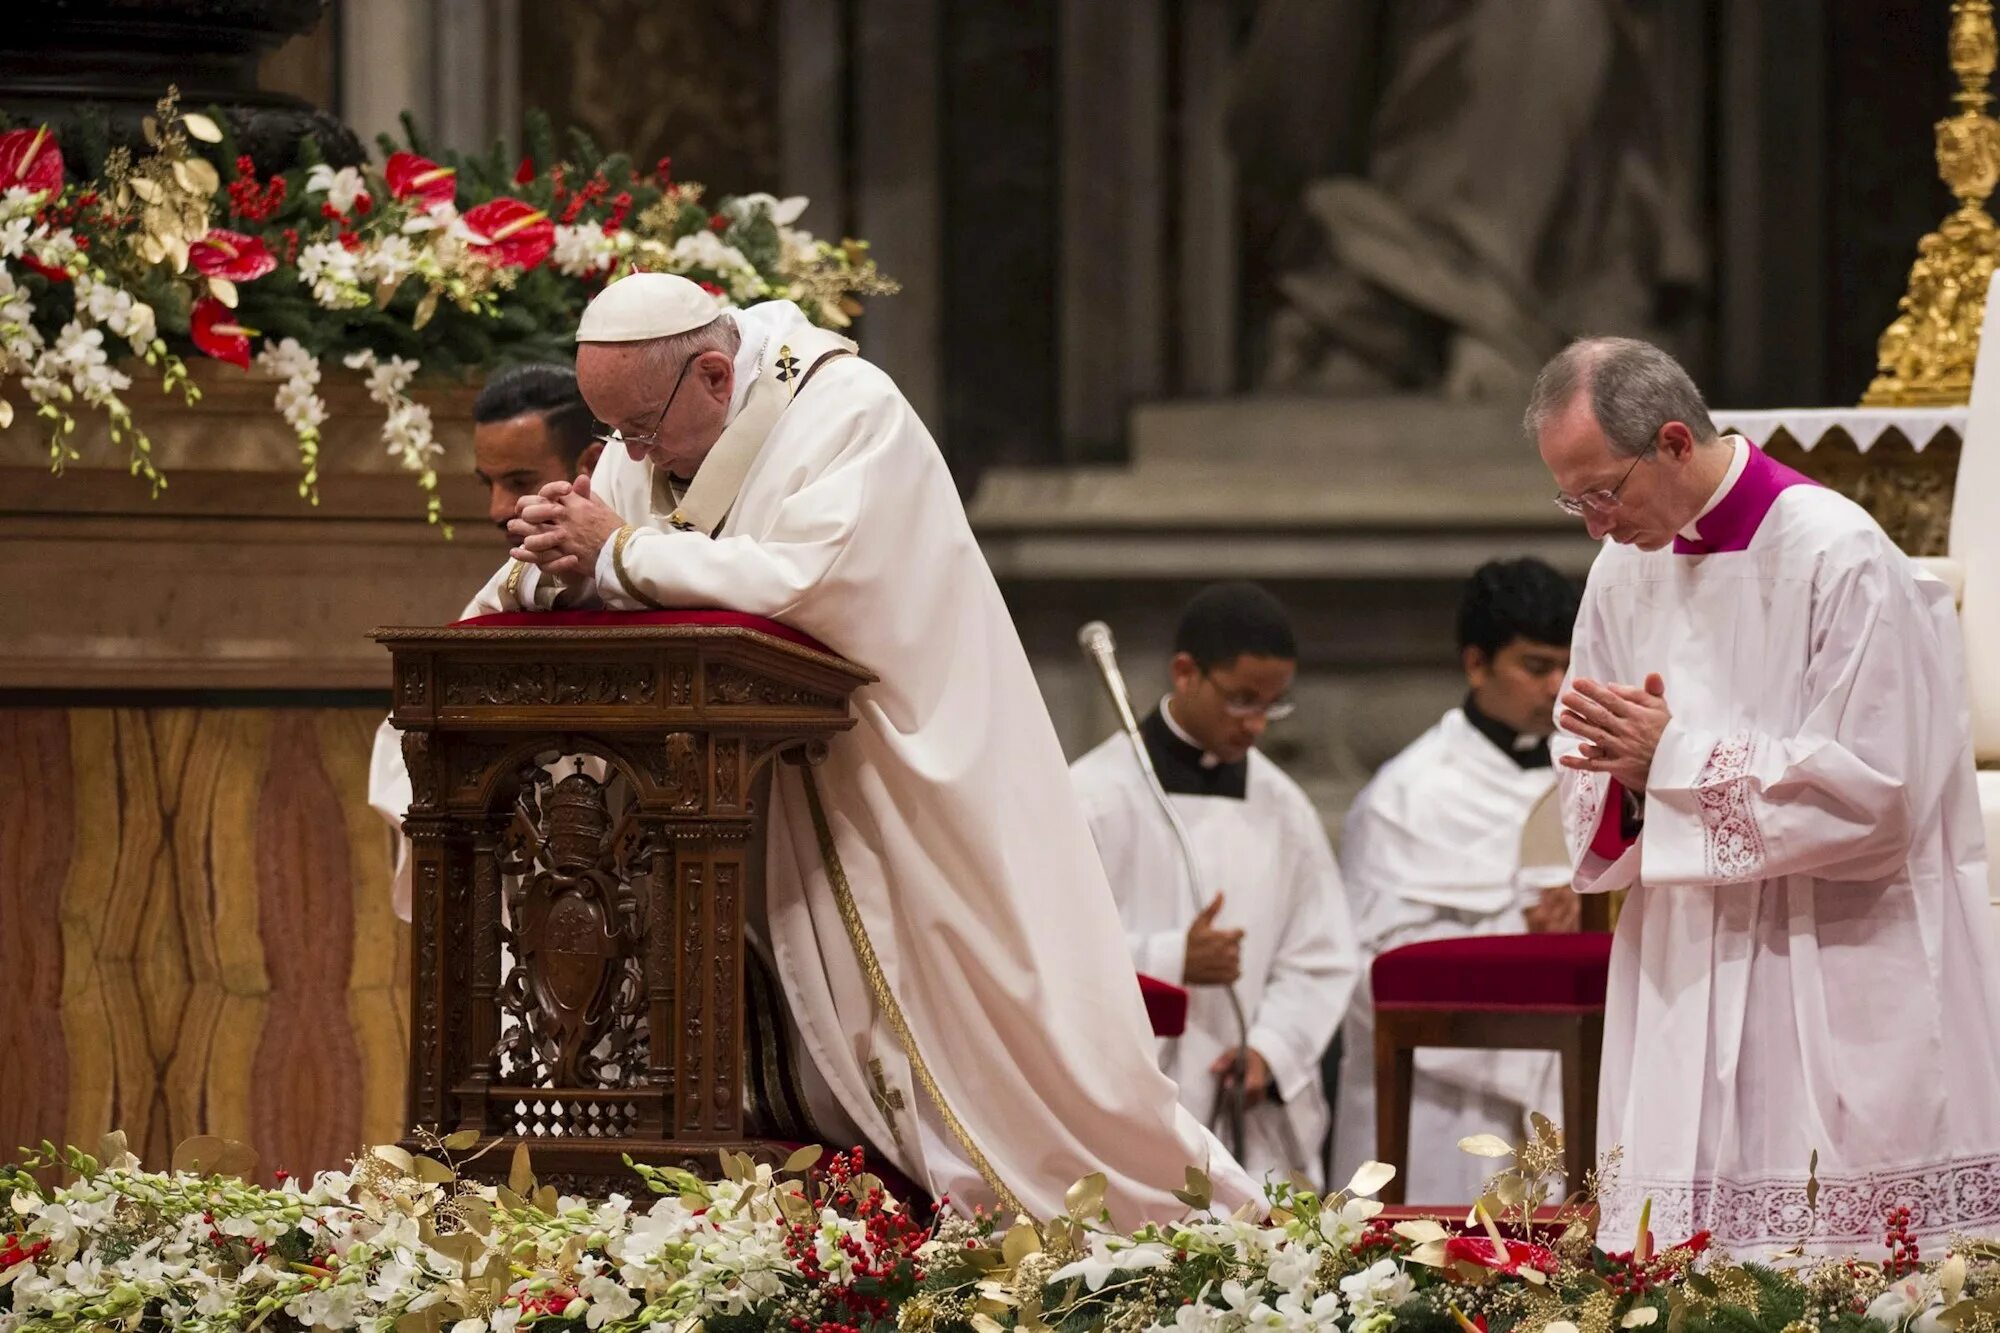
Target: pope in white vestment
(1767,745)
(1260,844)
(820,501)
(1431,850)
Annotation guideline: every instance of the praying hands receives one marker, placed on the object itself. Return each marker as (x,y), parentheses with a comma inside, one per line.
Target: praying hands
(563,528)
(1619,725)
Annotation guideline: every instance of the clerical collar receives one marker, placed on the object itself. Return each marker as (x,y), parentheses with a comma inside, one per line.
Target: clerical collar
(1739,459)
(1181,764)
(1738,508)
(1525,751)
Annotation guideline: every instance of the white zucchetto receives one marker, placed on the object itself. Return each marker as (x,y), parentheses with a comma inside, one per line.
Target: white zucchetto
(640,306)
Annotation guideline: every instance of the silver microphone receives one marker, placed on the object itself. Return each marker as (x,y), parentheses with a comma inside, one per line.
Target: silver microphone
(1102,649)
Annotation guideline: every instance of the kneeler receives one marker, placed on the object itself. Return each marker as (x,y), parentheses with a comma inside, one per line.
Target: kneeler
(1490,992)
(1167,1005)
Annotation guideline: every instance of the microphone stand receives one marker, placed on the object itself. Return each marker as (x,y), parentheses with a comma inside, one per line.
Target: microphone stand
(1098,645)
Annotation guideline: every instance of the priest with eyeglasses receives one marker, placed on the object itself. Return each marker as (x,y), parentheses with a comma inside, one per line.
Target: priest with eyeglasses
(1272,923)
(1764,739)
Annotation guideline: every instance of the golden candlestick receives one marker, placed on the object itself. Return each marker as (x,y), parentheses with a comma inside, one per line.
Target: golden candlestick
(1925,356)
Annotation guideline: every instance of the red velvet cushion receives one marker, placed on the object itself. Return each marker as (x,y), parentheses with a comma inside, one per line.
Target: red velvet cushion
(594,619)
(1166,1005)
(1495,972)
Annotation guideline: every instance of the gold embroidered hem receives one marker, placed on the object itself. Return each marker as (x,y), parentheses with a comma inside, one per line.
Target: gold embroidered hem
(513,586)
(618,567)
(885,999)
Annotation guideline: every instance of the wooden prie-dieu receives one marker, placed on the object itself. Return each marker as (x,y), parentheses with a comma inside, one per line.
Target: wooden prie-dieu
(585,835)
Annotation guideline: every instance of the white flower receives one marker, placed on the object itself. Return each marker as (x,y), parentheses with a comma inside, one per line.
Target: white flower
(14,237)
(288,360)
(609,1300)
(387,261)
(1323,1311)
(784,212)
(582,251)
(1381,1287)
(706,250)
(1912,1303)
(1112,1254)
(388,379)
(20,201)
(334,274)
(342,186)
(1343,1226)
(80,357)
(1291,1266)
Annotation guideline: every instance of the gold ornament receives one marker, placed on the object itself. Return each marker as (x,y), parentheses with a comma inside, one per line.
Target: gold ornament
(1925,356)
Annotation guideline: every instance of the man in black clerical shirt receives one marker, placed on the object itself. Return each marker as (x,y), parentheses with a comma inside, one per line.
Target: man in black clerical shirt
(1264,914)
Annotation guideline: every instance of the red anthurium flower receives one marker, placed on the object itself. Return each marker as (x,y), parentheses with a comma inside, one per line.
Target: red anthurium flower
(32,160)
(1508,1257)
(231,255)
(419,177)
(525,173)
(216,332)
(49,271)
(511,233)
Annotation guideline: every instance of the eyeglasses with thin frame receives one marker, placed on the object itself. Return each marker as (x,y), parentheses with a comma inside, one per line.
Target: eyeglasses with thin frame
(1602,500)
(1276,711)
(650,438)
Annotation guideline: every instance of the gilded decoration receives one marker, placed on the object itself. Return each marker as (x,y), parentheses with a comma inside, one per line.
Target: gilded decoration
(1907,491)
(1926,355)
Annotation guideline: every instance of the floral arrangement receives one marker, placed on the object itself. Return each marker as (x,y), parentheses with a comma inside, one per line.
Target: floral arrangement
(409,1243)
(111,260)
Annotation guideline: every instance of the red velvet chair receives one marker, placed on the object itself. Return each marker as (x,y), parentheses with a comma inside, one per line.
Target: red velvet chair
(1490,992)
(1166,1005)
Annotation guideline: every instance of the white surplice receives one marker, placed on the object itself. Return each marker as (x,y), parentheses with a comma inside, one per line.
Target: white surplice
(1806,961)
(1431,851)
(1261,844)
(948,802)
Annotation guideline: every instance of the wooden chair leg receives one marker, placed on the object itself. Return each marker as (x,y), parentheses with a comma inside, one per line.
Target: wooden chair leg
(1395,1070)
(1581,1053)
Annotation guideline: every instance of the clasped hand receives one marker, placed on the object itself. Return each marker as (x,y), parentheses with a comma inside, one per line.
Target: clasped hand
(562,528)
(1620,726)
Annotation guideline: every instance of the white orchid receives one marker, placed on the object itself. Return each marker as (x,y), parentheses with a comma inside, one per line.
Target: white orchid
(1380,1287)
(342,186)
(1113,1254)
(784,212)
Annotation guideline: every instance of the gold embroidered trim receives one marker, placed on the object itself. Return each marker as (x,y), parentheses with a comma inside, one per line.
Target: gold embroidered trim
(618,567)
(885,999)
(513,586)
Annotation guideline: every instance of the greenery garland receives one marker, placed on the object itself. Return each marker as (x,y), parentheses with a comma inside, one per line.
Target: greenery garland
(432,263)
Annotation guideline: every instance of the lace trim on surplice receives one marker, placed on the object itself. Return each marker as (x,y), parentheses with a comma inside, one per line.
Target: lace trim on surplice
(1733,843)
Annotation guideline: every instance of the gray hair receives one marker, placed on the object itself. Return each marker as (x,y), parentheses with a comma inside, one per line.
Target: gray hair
(1635,388)
(666,355)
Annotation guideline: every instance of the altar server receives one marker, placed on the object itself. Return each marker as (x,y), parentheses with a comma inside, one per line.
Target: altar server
(978,1021)
(1431,850)
(1764,738)
(1276,926)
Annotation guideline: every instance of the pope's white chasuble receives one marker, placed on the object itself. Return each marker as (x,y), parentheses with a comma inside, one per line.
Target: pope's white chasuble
(948,806)
(1430,850)
(1261,845)
(1806,962)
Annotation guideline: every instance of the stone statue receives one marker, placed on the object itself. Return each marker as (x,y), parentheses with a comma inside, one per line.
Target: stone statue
(1480,181)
